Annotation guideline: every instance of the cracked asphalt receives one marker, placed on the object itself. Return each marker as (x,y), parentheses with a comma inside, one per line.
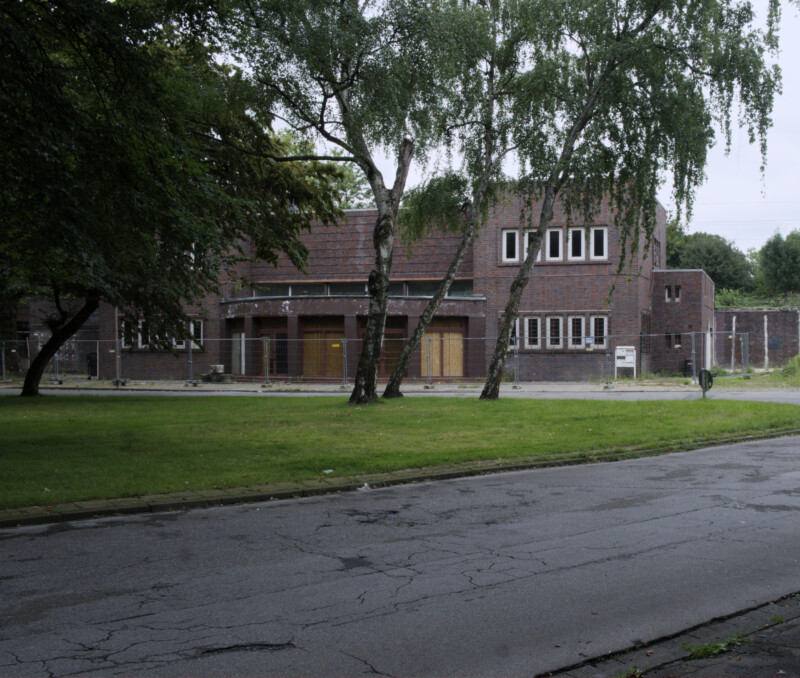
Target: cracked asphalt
(521,573)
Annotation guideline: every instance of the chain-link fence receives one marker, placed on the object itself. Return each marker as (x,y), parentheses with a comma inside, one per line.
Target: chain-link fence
(330,357)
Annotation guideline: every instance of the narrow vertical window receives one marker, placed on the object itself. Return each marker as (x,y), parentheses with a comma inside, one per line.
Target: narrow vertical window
(510,252)
(599,244)
(668,293)
(599,330)
(554,332)
(576,243)
(533,334)
(575,332)
(676,341)
(554,238)
(677,292)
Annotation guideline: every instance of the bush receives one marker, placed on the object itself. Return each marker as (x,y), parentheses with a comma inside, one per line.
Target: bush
(792,368)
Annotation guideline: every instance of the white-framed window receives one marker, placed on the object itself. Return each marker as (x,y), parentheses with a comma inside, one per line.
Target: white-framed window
(527,241)
(126,334)
(599,327)
(554,333)
(598,247)
(677,292)
(555,237)
(195,333)
(576,245)
(575,324)
(668,293)
(533,333)
(510,246)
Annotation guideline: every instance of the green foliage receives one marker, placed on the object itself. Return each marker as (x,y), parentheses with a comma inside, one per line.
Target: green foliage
(727,298)
(791,368)
(134,164)
(779,263)
(440,202)
(713,649)
(725,264)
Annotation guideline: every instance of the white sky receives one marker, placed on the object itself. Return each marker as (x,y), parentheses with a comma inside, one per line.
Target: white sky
(735,201)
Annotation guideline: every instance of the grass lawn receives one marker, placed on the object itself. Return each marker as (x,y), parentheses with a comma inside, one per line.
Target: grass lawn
(58,449)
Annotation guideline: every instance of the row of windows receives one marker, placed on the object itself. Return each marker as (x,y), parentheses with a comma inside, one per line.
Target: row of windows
(138,335)
(553,245)
(415,288)
(560,332)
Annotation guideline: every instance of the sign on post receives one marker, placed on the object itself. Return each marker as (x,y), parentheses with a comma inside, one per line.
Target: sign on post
(625,356)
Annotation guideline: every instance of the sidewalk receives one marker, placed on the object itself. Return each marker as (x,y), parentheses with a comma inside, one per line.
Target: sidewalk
(759,643)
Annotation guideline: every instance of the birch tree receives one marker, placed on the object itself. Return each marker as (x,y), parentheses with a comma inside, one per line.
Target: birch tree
(631,91)
(355,74)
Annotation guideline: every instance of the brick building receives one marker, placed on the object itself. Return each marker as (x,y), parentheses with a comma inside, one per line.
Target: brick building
(293,325)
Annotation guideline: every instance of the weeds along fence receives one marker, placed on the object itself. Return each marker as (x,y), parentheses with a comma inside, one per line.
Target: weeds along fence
(330,357)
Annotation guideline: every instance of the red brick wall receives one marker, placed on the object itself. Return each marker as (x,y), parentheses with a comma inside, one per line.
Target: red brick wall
(782,330)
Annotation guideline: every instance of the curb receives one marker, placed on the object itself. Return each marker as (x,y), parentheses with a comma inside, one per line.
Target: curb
(193,499)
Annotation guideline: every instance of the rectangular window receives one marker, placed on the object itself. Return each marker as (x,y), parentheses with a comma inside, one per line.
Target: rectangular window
(554,333)
(307,289)
(554,238)
(195,333)
(668,341)
(599,330)
(510,242)
(347,289)
(575,332)
(668,293)
(676,342)
(533,336)
(677,292)
(143,338)
(599,244)
(576,244)
(527,241)
(126,334)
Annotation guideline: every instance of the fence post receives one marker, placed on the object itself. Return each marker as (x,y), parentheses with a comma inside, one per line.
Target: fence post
(265,352)
(3,345)
(428,362)
(694,366)
(746,352)
(191,381)
(516,365)
(609,384)
(344,362)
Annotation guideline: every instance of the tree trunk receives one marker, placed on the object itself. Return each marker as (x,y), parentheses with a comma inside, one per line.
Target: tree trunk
(60,333)
(365,388)
(494,376)
(393,387)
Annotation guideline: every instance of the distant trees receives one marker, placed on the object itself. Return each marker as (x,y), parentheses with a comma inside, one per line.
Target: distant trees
(726,265)
(779,263)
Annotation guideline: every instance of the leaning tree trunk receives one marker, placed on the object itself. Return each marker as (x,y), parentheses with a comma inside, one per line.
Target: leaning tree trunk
(491,389)
(61,331)
(393,387)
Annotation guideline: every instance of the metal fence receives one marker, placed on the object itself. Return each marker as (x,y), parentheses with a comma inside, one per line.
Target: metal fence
(443,356)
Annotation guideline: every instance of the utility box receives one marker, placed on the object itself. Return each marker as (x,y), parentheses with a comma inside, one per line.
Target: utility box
(625,357)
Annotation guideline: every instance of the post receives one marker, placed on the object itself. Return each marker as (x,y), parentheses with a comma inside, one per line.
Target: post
(3,345)
(766,344)
(118,356)
(266,349)
(344,362)
(428,362)
(733,346)
(745,338)
(516,365)
(694,366)
(191,363)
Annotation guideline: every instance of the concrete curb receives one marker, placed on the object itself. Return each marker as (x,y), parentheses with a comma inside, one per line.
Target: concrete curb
(192,499)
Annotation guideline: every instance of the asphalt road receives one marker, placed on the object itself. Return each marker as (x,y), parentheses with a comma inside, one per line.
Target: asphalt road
(512,574)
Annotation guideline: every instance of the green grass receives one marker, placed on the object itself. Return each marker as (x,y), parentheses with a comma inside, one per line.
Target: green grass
(58,449)
(713,649)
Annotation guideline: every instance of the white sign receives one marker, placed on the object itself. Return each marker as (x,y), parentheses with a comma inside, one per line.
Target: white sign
(625,356)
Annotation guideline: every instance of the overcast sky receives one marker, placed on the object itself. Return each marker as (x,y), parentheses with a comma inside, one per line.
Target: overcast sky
(735,202)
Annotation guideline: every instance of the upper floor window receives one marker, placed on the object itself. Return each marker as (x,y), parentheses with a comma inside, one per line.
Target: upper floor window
(554,242)
(668,293)
(527,241)
(576,244)
(599,243)
(510,246)
(677,292)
